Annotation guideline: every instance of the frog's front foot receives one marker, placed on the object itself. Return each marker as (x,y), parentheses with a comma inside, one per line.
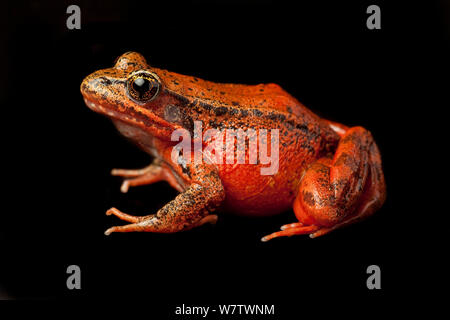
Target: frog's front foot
(138,177)
(336,192)
(154,172)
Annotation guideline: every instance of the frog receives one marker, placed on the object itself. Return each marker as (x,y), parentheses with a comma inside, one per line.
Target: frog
(329,174)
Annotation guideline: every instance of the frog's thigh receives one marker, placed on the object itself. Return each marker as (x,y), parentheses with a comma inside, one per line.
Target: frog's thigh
(350,185)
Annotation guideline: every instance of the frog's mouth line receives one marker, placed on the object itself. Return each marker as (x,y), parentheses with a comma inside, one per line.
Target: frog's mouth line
(139,119)
(110,113)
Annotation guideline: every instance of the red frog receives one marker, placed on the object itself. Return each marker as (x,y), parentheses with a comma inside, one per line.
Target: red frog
(330,174)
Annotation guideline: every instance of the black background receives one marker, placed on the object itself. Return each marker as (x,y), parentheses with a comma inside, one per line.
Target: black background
(59,153)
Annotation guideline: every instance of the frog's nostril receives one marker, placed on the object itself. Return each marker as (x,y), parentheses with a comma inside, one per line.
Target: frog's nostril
(104,81)
(90,85)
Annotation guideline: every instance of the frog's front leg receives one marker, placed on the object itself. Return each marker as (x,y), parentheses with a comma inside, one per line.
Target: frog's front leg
(335,192)
(189,209)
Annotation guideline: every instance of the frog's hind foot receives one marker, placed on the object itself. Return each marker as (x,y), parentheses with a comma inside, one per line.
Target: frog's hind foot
(339,191)
(291,230)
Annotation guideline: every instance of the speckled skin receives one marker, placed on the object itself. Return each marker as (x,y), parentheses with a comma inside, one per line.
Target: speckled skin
(329,173)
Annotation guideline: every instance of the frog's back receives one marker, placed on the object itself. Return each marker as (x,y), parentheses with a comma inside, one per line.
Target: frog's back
(239,96)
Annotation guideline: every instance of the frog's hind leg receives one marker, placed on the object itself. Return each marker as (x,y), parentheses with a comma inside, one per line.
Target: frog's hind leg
(339,191)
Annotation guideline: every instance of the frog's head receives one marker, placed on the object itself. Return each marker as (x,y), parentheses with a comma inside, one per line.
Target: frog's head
(135,95)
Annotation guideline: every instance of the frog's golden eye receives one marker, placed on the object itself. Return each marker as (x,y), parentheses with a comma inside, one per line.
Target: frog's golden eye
(143,86)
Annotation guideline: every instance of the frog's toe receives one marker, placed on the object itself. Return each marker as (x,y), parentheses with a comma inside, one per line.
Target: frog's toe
(122,215)
(291,225)
(212,219)
(291,232)
(131,173)
(133,227)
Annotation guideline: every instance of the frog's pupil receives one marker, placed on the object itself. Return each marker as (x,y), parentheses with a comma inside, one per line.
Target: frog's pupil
(141,85)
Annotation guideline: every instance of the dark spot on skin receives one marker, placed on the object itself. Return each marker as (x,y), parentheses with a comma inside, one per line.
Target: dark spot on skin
(233,111)
(104,81)
(303,128)
(235,103)
(186,170)
(190,89)
(323,170)
(222,92)
(257,113)
(261,90)
(219,111)
(205,106)
(244,113)
(289,109)
(188,123)
(195,79)
(308,198)
(175,82)
(276,116)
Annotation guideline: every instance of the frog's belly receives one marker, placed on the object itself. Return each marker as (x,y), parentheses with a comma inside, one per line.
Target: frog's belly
(258,205)
(251,194)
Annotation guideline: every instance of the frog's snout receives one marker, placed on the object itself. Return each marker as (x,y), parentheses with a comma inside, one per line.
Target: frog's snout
(89,85)
(85,86)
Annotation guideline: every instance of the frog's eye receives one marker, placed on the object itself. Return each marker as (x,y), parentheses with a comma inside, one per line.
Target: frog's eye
(143,86)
